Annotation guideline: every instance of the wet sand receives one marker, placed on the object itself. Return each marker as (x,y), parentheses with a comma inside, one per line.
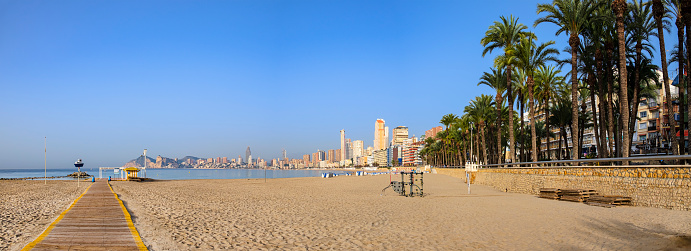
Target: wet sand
(349,213)
(28,207)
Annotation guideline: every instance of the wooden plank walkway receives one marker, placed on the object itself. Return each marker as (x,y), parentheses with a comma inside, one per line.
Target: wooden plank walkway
(97,220)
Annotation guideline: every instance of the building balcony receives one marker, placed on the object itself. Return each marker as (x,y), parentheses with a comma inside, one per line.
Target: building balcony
(652,128)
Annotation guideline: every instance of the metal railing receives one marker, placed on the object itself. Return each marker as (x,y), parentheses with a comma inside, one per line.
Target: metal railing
(609,162)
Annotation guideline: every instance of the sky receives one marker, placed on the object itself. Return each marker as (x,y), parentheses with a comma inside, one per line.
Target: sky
(103,80)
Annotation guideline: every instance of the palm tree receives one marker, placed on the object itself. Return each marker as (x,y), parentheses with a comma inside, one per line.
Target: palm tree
(479,111)
(497,81)
(674,11)
(560,117)
(519,87)
(546,79)
(530,58)
(572,16)
(641,27)
(505,34)
(660,13)
(686,11)
(619,7)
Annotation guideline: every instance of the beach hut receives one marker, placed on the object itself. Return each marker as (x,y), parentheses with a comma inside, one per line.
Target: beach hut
(132,172)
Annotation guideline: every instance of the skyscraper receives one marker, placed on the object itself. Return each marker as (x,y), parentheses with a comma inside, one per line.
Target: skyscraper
(381,135)
(358,148)
(342,156)
(400,134)
(284,153)
(248,155)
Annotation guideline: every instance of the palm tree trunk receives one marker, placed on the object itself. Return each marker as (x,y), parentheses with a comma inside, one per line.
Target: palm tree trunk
(522,105)
(602,148)
(687,18)
(591,82)
(619,7)
(574,42)
(636,91)
(681,60)
(498,104)
(582,128)
(512,139)
(549,142)
(484,144)
(659,11)
(531,107)
(610,108)
(559,151)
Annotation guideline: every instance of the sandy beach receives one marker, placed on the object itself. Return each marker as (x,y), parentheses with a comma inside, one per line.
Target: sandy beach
(28,207)
(348,213)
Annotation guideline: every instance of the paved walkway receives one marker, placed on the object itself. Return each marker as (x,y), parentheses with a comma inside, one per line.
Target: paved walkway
(97,220)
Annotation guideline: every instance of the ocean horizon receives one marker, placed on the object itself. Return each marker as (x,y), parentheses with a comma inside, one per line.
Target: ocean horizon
(173,174)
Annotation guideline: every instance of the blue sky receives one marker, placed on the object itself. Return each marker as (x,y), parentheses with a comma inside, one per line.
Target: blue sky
(103,80)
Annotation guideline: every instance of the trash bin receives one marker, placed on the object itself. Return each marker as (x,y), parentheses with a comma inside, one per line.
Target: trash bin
(93,178)
(108,178)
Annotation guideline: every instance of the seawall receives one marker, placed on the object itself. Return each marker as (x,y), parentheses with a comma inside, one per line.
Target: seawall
(668,187)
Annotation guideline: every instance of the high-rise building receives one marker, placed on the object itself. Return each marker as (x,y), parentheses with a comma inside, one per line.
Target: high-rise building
(381,135)
(225,160)
(343,148)
(306,159)
(284,153)
(358,148)
(348,149)
(337,156)
(400,134)
(330,156)
(431,133)
(248,155)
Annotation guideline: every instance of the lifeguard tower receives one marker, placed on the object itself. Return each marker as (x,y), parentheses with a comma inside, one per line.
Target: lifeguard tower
(132,173)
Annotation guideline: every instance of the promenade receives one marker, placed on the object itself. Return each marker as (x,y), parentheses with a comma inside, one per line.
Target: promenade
(97,220)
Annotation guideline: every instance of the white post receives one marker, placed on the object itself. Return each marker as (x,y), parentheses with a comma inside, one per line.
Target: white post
(471,142)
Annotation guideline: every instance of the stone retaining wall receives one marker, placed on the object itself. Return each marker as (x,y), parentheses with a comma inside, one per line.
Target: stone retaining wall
(650,187)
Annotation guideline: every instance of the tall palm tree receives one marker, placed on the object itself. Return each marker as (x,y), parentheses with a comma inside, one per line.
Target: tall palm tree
(674,11)
(505,34)
(572,17)
(641,27)
(547,79)
(686,13)
(620,8)
(519,87)
(530,57)
(446,120)
(560,116)
(497,81)
(660,13)
(479,112)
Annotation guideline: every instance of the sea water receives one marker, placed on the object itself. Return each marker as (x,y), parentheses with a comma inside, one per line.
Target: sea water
(174,174)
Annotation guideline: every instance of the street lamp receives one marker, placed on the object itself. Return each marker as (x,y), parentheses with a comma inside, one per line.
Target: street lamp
(79,164)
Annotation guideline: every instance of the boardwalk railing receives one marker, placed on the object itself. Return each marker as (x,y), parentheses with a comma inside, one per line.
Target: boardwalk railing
(664,160)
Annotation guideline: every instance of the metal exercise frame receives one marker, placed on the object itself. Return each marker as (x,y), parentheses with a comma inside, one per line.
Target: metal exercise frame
(413,188)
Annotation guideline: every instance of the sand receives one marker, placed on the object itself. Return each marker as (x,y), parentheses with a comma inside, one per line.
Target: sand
(28,207)
(348,213)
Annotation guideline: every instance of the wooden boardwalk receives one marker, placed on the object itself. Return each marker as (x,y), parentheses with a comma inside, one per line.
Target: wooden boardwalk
(97,220)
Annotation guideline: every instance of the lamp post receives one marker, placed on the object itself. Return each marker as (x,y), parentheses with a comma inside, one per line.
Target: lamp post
(79,164)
